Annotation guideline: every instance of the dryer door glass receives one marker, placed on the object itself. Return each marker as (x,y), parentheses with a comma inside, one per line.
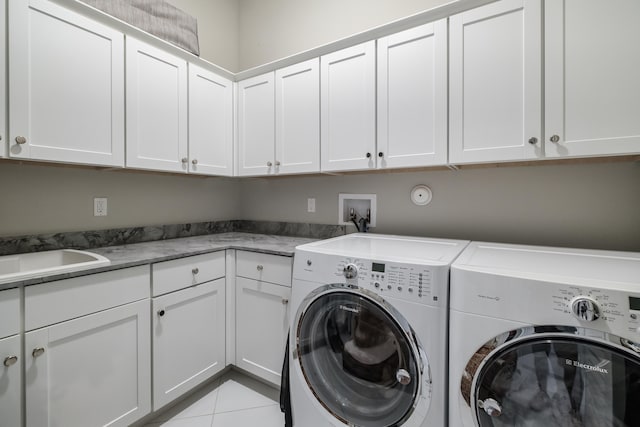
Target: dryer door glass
(358,360)
(559,382)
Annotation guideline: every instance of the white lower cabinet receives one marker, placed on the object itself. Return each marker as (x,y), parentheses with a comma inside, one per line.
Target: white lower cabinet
(10,382)
(262,321)
(188,339)
(90,371)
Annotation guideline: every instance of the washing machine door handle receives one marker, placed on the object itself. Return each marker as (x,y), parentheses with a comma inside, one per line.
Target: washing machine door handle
(491,407)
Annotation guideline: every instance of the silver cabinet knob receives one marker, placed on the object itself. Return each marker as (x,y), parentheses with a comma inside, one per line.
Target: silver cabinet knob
(161,313)
(194,161)
(10,360)
(554,138)
(39,351)
(491,407)
(285,301)
(533,140)
(259,267)
(269,164)
(403,377)
(185,160)
(21,139)
(277,162)
(195,271)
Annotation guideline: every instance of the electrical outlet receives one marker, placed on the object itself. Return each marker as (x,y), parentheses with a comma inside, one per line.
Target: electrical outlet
(100,206)
(311,205)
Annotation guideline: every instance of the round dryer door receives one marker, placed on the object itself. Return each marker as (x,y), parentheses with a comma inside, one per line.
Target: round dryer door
(359,356)
(559,381)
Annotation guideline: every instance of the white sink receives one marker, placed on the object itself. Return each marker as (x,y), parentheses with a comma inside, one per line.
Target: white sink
(36,264)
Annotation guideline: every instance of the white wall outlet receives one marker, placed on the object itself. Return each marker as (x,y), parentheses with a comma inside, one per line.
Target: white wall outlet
(361,205)
(100,206)
(311,205)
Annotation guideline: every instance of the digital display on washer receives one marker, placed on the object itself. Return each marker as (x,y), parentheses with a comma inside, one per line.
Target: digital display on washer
(379,268)
(634,303)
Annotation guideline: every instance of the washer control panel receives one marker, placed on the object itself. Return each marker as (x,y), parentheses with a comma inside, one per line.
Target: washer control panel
(405,281)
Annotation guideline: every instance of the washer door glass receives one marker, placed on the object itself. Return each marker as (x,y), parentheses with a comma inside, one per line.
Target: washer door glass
(559,382)
(357,360)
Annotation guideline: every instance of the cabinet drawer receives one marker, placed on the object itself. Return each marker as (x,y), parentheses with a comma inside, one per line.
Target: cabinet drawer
(9,312)
(61,300)
(264,267)
(169,276)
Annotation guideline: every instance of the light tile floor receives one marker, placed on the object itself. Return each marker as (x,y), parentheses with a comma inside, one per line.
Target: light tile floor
(234,400)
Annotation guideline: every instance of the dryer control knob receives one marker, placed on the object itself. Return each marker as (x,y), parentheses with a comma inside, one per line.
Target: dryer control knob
(585,308)
(350,271)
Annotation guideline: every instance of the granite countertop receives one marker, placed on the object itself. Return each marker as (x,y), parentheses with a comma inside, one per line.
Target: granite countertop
(162,250)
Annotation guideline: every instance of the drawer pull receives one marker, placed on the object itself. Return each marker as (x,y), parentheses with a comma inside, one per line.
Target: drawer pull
(37,352)
(260,267)
(11,360)
(195,271)
(160,313)
(285,301)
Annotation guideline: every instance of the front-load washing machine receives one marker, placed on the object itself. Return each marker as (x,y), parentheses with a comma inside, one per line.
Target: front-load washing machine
(368,336)
(544,337)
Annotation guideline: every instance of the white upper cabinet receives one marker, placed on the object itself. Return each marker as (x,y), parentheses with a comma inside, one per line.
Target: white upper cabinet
(412,97)
(210,123)
(156,109)
(66,74)
(592,89)
(348,110)
(256,125)
(3,79)
(495,85)
(298,118)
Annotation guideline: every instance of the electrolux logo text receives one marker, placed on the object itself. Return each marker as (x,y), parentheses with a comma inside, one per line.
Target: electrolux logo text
(595,368)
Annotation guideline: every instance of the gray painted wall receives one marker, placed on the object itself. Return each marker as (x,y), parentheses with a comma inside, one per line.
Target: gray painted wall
(48,199)
(580,205)
(274,29)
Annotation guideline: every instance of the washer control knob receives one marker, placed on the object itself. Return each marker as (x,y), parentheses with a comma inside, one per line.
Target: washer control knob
(350,271)
(585,308)
(376,284)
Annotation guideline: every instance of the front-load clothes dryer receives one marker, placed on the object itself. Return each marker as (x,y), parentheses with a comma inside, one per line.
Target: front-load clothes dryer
(544,337)
(368,337)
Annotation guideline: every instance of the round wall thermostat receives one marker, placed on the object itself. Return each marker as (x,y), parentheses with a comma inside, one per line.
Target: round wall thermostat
(421,195)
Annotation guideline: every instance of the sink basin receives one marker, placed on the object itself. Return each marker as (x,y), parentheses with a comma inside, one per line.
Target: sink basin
(36,264)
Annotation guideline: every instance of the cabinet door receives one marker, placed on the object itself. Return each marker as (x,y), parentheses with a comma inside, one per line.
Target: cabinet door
(592,90)
(298,118)
(90,371)
(262,321)
(188,339)
(210,123)
(156,108)
(495,83)
(66,74)
(10,382)
(348,110)
(256,122)
(412,97)
(3,80)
